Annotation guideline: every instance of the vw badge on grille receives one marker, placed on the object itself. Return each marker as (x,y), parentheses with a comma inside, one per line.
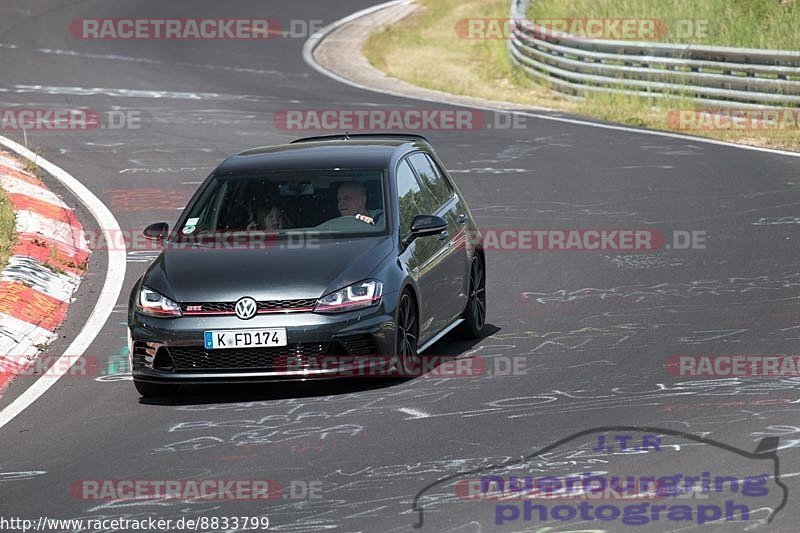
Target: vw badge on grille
(246,308)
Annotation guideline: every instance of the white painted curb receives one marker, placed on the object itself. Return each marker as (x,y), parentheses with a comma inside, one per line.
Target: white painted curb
(107,299)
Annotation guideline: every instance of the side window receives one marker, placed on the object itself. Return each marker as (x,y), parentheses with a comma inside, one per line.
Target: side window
(431,178)
(447,185)
(411,200)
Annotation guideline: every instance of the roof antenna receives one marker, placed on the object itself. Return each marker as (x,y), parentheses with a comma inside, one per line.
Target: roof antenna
(346,136)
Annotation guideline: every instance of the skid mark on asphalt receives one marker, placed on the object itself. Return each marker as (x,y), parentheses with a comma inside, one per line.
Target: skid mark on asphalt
(142,256)
(558,210)
(166,170)
(670,150)
(6,477)
(776,221)
(645,261)
(145,60)
(415,414)
(708,336)
(128,93)
(301,419)
(490,170)
(351,418)
(584,337)
(749,286)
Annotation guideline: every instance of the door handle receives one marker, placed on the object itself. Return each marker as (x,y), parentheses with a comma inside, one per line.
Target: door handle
(462,218)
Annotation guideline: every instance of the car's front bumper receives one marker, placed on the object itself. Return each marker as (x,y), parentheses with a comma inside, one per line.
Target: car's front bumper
(171,350)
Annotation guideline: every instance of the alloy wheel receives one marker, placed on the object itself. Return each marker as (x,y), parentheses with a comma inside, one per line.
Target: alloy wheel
(407,334)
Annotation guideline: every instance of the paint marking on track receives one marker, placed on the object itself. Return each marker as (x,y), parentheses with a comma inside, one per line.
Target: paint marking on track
(107,299)
(416,413)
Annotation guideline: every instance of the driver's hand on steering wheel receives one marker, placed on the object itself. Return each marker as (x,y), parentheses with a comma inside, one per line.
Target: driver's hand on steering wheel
(365,218)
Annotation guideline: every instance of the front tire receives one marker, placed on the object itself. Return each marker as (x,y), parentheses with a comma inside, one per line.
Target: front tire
(407,334)
(475,313)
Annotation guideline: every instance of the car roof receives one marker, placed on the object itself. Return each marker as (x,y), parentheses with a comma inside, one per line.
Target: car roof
(357,137)
(323,153)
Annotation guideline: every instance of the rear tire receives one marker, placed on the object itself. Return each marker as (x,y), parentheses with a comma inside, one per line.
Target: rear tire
(154,390)
(475,313)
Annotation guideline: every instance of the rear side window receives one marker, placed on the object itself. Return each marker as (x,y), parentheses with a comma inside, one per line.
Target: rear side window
(431,178)
(411,199)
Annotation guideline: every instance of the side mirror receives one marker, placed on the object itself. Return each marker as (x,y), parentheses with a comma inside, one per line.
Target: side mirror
(424,226)
(157,231)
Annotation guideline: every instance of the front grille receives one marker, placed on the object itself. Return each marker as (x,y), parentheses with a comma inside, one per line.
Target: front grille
(197,358)
(228,308)
(212,307)
(286,304)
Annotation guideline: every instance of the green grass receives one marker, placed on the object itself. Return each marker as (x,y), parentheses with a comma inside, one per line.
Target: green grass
(8,233)
(741,23)
(425,50)
(408,50)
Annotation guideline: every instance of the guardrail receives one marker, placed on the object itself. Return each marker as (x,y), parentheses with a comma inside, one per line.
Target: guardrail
(720,76)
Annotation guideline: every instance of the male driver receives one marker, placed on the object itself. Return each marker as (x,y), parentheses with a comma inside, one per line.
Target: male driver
(352,201)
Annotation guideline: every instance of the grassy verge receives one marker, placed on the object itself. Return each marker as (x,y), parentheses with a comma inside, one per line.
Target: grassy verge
(740,23)
(8,233)
(425,49)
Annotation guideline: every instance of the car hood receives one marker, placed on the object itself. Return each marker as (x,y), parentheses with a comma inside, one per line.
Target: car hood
(196,274)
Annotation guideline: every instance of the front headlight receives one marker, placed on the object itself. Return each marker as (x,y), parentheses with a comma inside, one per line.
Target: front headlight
(357,296)
(152,303)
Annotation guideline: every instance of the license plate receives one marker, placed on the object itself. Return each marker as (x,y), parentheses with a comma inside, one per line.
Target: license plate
(244,338)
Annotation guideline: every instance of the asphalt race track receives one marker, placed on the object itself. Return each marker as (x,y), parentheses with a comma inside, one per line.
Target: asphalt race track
(593,329)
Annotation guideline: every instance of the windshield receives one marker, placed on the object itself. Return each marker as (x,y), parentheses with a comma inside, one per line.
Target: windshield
(328,202)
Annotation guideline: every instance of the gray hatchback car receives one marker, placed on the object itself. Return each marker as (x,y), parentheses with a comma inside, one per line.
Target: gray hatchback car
(316,259)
